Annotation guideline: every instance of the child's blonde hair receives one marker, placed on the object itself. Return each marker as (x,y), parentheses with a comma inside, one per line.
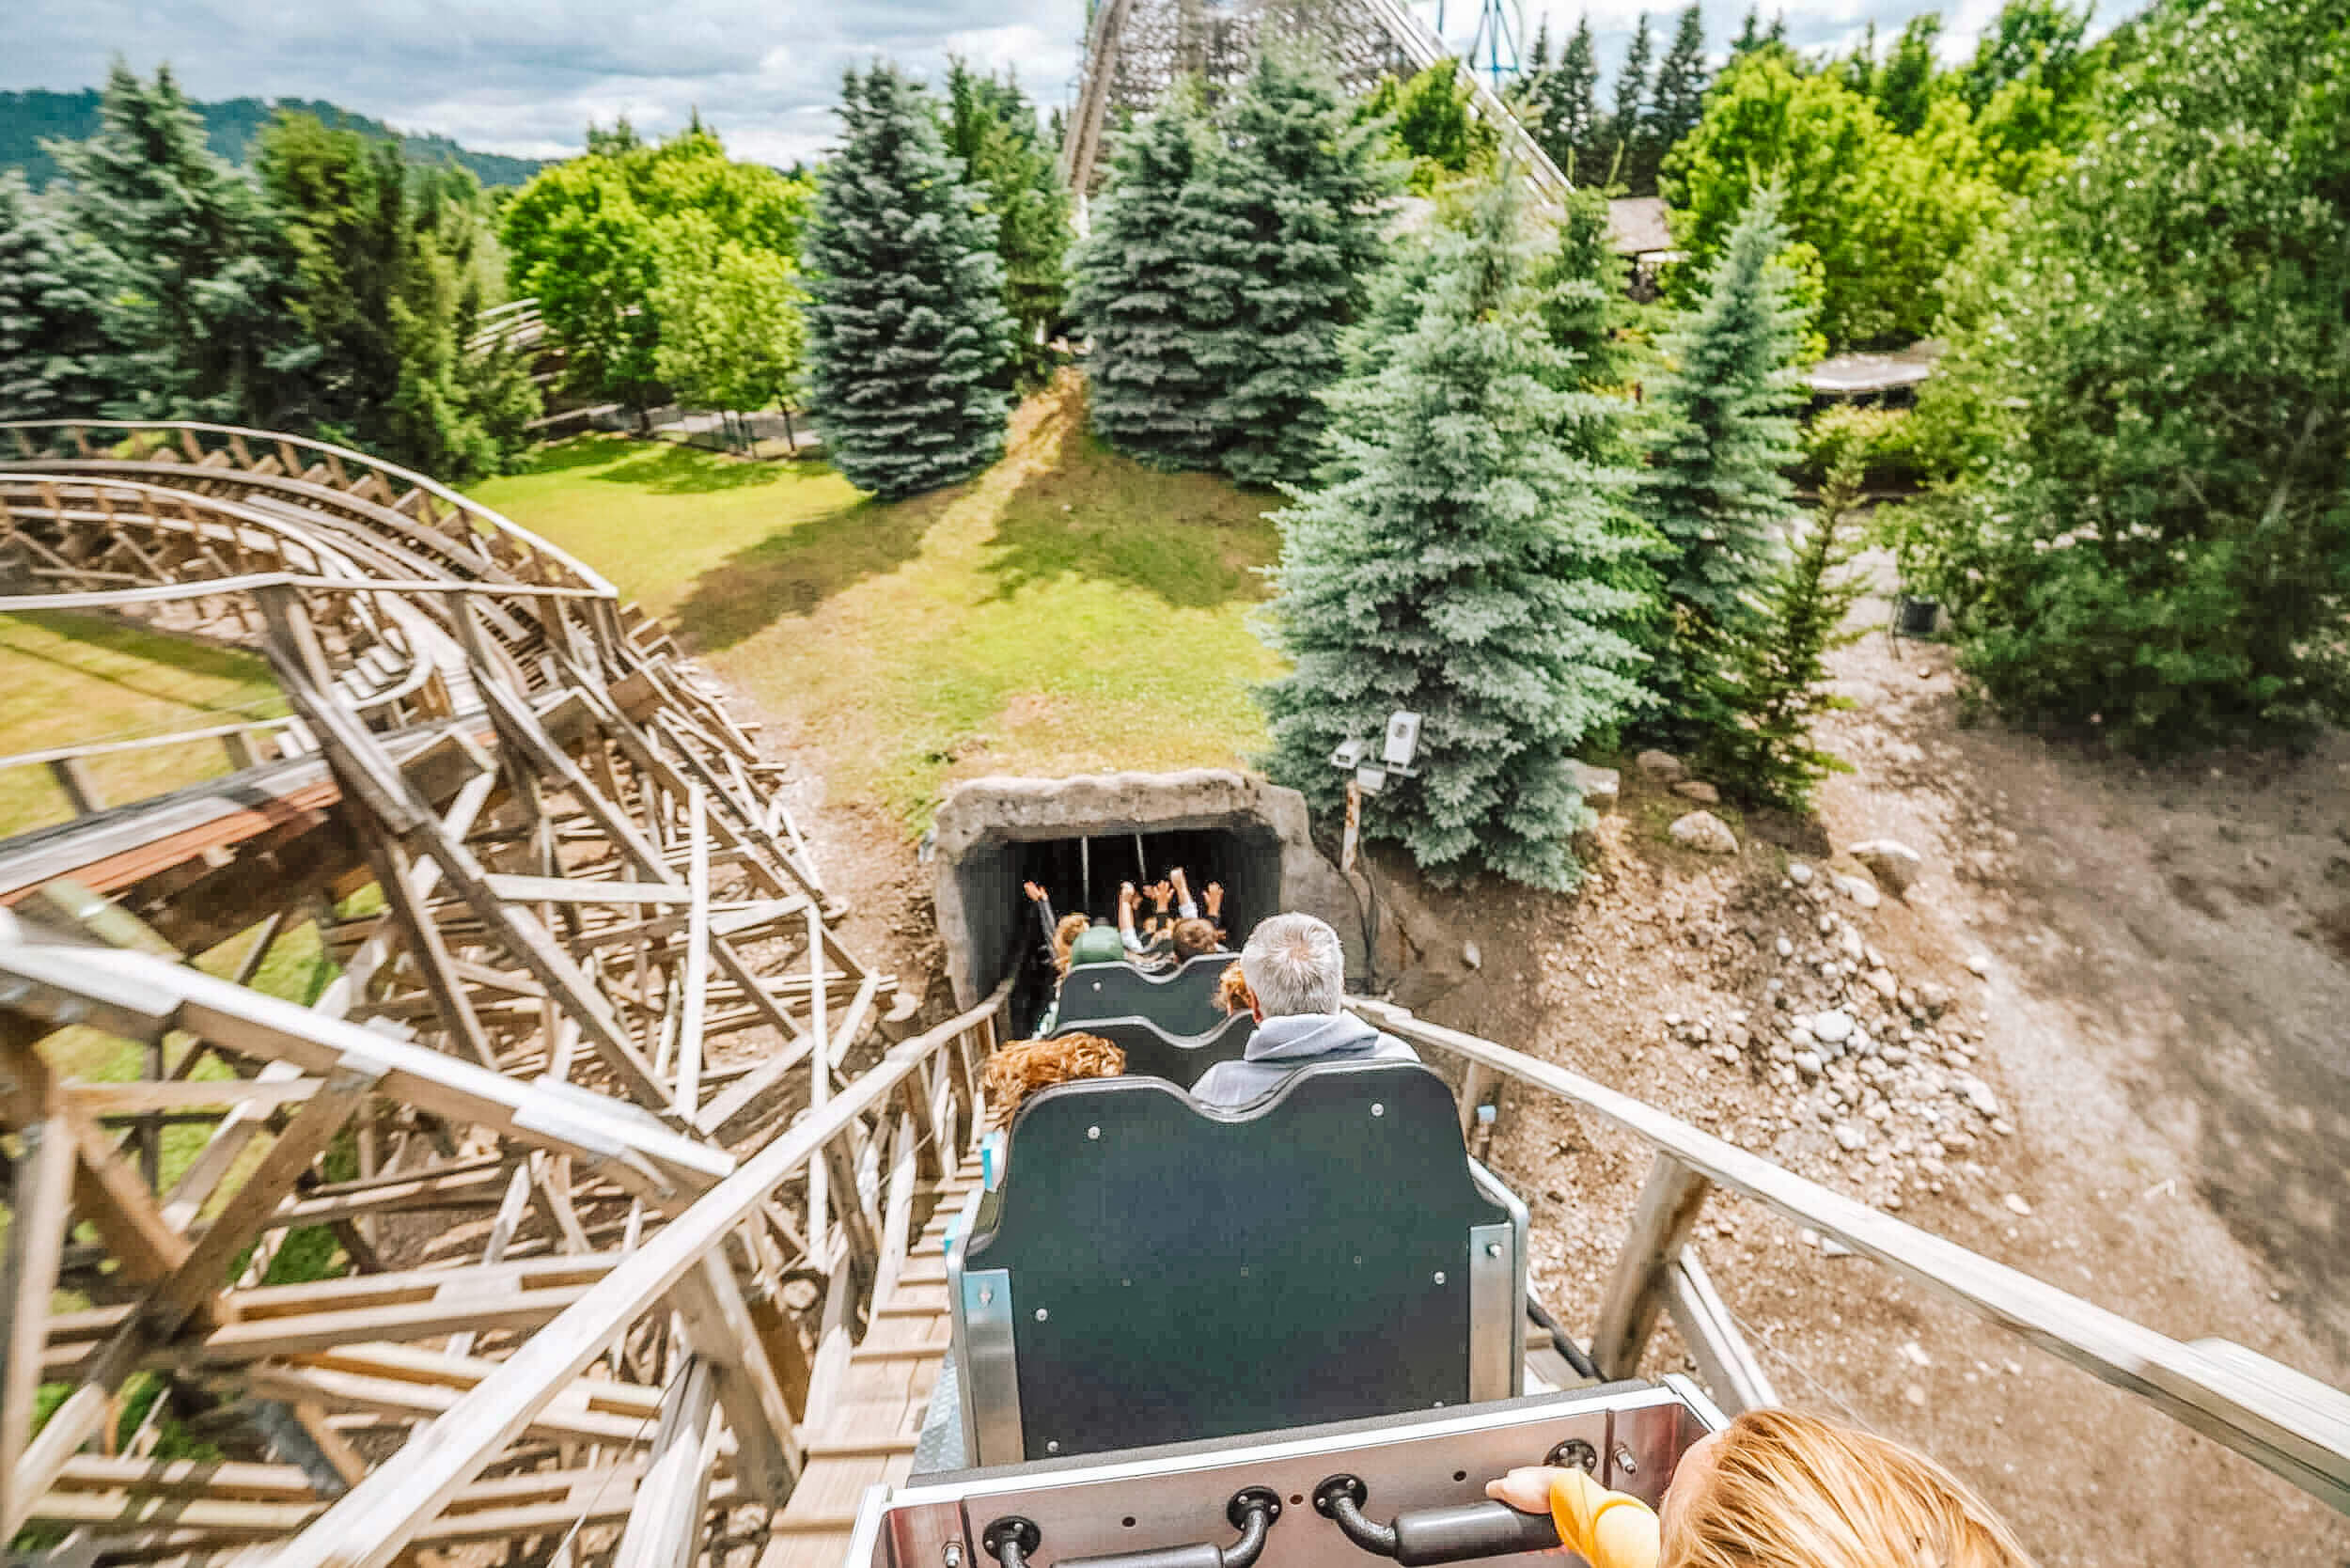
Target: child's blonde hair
(1786,1490)
(1065,936)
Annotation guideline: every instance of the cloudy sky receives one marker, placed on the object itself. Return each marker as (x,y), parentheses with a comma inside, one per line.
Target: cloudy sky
(526,76)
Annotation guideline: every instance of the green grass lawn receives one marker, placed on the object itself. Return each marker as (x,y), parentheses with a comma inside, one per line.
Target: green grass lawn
(67,679)
(1065,612)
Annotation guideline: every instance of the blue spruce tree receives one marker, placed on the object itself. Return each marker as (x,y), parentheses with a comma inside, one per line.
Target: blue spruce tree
(907,335)
(1138,292)
(1716,487)
(1293,243)
(1457,567)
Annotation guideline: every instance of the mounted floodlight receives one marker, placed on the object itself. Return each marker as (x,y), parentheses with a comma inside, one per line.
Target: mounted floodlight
(1348,756)
(1370,780)
(1402,739)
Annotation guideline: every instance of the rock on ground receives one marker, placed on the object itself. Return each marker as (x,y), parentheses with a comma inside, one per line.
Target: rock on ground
(1894,864)
(1662,766)
(1861,890)
(1699,791)
(1704,832)
(1599,787)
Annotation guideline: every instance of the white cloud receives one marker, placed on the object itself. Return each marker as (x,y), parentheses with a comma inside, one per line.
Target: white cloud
(526,76)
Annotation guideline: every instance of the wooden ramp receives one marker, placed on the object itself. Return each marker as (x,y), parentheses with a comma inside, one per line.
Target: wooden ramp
(866,1406)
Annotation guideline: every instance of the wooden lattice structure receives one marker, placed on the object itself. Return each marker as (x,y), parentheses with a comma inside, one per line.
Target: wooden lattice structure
(1136,50)
(591,1005)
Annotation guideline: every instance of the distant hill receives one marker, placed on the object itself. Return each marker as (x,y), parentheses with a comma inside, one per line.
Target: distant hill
(26,119)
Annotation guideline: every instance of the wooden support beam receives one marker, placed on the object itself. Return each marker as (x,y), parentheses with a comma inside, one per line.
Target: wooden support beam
(107,1192)
(43,1188)
(398,877)
(664,1529)
(688,1087)
(1668,1205)
(186,1290)
(2257,1417)
(138,996)
(718,1325)
(1724,1359)
(376,1521)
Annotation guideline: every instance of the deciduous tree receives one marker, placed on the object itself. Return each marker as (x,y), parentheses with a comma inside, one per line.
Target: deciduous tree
(992,127)
(2153,538)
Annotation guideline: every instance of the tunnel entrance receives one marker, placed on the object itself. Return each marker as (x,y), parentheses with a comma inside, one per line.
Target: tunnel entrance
(1081,876)
(1081,837)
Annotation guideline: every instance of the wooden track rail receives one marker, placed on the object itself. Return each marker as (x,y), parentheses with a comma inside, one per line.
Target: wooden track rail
(580,986)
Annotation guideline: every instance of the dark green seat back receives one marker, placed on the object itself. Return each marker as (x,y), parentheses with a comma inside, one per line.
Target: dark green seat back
(1151,1053)
(1181,1002)
(1178,1272)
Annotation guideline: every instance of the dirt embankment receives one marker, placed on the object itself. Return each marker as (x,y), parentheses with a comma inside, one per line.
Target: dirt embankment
(2153,1002)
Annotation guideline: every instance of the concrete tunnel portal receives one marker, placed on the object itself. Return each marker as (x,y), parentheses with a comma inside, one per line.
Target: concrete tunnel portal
(1080,837)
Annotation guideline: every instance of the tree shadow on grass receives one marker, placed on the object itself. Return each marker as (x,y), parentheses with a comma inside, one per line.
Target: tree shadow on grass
(667,468)
(794,570)
(150,647)
(578,451)
(1192,539)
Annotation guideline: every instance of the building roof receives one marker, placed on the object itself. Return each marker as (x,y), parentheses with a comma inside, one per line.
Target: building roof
(1636,226)
(1856,375)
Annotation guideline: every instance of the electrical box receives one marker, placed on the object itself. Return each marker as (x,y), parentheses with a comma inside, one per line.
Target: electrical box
(1402,739)
(1371,779)
(1348,756)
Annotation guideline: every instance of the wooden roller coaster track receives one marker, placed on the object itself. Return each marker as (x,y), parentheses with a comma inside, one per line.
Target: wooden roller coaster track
(1136,50)
(595,982)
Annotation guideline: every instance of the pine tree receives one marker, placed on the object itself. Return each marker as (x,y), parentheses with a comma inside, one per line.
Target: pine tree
(1749,37)
(1776,678)
(1294,199)
(1134,292)
(1714,487)
(1583,306)
(1456,571)
(1904,88)
(1626,135)
(907,333)
(51,331)
(992,127)
(1678,101)
(1565,101)
(1575,105)
(380,255)
(1538,61)
(194,284)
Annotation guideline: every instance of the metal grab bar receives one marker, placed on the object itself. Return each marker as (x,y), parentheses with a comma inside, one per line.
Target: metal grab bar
(1252,1510)
(1431,1535)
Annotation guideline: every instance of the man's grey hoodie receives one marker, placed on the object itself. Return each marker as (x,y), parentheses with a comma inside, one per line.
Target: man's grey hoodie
(1282,1045)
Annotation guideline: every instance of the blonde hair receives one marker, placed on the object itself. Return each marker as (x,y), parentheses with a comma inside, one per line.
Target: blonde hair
(1022,1068)
(1231,989)
(1786,1490)
(1065,936)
